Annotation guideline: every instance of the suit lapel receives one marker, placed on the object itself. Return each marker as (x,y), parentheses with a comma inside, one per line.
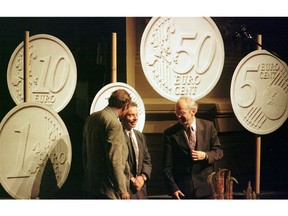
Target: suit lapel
(140,146)
(182,141)
(199,134)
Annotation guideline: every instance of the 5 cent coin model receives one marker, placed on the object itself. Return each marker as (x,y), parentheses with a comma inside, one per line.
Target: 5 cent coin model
(259,92)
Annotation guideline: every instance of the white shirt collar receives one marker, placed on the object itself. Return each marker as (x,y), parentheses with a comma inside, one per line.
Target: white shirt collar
(193,125)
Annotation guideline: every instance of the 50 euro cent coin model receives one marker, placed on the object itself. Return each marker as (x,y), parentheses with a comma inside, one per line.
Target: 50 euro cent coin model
(182,56)
(35,151)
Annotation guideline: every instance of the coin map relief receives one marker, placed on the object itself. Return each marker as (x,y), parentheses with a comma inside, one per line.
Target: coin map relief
(35,151)
(182,56)
(52,72)
(259,92)
(100,101)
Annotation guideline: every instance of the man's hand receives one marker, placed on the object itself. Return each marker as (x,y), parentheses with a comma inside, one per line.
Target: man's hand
(125,196)
(138,182)
(198,155)
(178,194)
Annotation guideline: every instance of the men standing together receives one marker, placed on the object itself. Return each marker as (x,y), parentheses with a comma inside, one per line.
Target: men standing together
(113,167)
(117,163)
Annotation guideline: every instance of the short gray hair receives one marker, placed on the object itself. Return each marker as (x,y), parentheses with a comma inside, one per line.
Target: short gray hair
(191,103)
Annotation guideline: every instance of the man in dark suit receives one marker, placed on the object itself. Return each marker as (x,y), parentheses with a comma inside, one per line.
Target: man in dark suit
(105,153)
(188,161)
(139,157)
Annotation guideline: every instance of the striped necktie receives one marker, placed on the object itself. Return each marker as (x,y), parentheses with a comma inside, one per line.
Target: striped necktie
(136,151)
(191,137)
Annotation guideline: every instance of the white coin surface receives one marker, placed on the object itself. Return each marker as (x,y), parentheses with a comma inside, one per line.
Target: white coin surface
(100,101)
(35,151)
(259,92)
(182,56)
(52,72)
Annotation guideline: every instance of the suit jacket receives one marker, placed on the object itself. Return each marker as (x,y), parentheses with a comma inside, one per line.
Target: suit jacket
(145,165)
(105,156)
(180,171)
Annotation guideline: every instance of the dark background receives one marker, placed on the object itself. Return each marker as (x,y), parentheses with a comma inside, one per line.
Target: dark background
(83,35)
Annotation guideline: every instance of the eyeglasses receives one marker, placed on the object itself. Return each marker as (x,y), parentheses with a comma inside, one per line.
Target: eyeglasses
(181,113)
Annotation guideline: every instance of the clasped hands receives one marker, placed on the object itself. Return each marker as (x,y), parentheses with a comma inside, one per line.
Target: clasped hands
(138,182)
(198,155)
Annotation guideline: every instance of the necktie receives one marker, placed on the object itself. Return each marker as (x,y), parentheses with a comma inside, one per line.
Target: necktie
(135,150)
(191,138)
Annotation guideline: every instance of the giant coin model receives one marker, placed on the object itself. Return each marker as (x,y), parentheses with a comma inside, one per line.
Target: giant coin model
(182,56)
(259,92)
(35,151)
(101,100)
(52,72)
(35,148)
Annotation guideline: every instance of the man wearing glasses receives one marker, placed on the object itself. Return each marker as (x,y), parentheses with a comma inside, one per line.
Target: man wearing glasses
(191,146)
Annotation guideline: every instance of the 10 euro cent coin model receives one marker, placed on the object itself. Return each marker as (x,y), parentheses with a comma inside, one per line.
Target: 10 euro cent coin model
(52,72)
(182,56)
(259,92)
(35,151)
